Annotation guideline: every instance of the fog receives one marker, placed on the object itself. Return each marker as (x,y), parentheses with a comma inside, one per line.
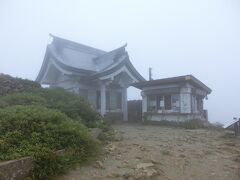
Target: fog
(173,37)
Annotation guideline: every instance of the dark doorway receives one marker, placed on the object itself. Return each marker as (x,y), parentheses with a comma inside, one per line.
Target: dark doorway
(135,111)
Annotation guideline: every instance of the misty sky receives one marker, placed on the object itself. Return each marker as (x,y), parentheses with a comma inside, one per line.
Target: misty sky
(199,37)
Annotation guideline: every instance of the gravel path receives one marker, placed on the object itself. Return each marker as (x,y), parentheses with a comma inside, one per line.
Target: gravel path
(154,152)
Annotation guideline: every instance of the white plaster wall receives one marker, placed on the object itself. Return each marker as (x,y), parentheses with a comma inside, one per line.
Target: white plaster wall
(171,117)
(185,100)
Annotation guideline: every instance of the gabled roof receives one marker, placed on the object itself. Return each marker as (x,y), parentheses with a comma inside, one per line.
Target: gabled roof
(187,78)
(50,52)
(78,59)
(114,54)
(115,66)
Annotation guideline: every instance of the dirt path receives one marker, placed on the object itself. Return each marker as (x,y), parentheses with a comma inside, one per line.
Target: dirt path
(153,152)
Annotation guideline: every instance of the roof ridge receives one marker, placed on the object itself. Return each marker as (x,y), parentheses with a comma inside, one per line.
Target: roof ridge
(109,52)
(78,45)
(174,77)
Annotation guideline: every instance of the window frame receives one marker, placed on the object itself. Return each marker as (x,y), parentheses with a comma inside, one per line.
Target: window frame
(163,103)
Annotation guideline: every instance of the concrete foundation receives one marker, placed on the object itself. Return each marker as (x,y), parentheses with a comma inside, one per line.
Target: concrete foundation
(172,117)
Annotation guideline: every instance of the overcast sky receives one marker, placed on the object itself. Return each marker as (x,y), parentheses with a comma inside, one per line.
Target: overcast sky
(199,37)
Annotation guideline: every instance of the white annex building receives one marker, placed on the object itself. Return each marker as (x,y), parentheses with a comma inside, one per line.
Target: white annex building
(174,99)
(101,77)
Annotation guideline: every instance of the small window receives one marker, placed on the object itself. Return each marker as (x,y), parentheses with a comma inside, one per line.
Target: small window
(113,100)
(160,102)
(176,102)
(83,93)
(92,97)
(199,104)
(108,100)
(119,100)
(98,99)
(152,103)
(168,103)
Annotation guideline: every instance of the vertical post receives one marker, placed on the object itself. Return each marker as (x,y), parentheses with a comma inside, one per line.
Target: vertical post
(124,104)
(103,99)
(144,105)
(238,126)
(150,74)
(144,102)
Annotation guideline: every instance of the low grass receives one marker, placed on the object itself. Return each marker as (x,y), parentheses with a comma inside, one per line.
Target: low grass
(189,124)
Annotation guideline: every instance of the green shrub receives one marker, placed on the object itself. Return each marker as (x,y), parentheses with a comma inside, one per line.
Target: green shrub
(40,132)
(21,99)
(69,103)
(28,84)
(37,122)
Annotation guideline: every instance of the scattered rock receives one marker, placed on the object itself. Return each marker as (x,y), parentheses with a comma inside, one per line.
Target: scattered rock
(118,137)
(151,172)
(181,150)
(166,152)
(182,156)
(145,174)
(130,178)
(126,162)
(154,161)
(142,148)
(99,164)
(118,157)
(138,157)
(213,174)
(135,144)
(110,148)
(126,176)
(113,175)
(144,165)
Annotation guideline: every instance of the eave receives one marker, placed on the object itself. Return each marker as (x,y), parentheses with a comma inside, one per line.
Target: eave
(180,79)
(60,65)
(123,63)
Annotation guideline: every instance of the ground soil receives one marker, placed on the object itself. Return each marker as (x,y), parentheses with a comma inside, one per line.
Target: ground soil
(155,152)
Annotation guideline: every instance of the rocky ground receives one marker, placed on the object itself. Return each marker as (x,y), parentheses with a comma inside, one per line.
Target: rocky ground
(154,152)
